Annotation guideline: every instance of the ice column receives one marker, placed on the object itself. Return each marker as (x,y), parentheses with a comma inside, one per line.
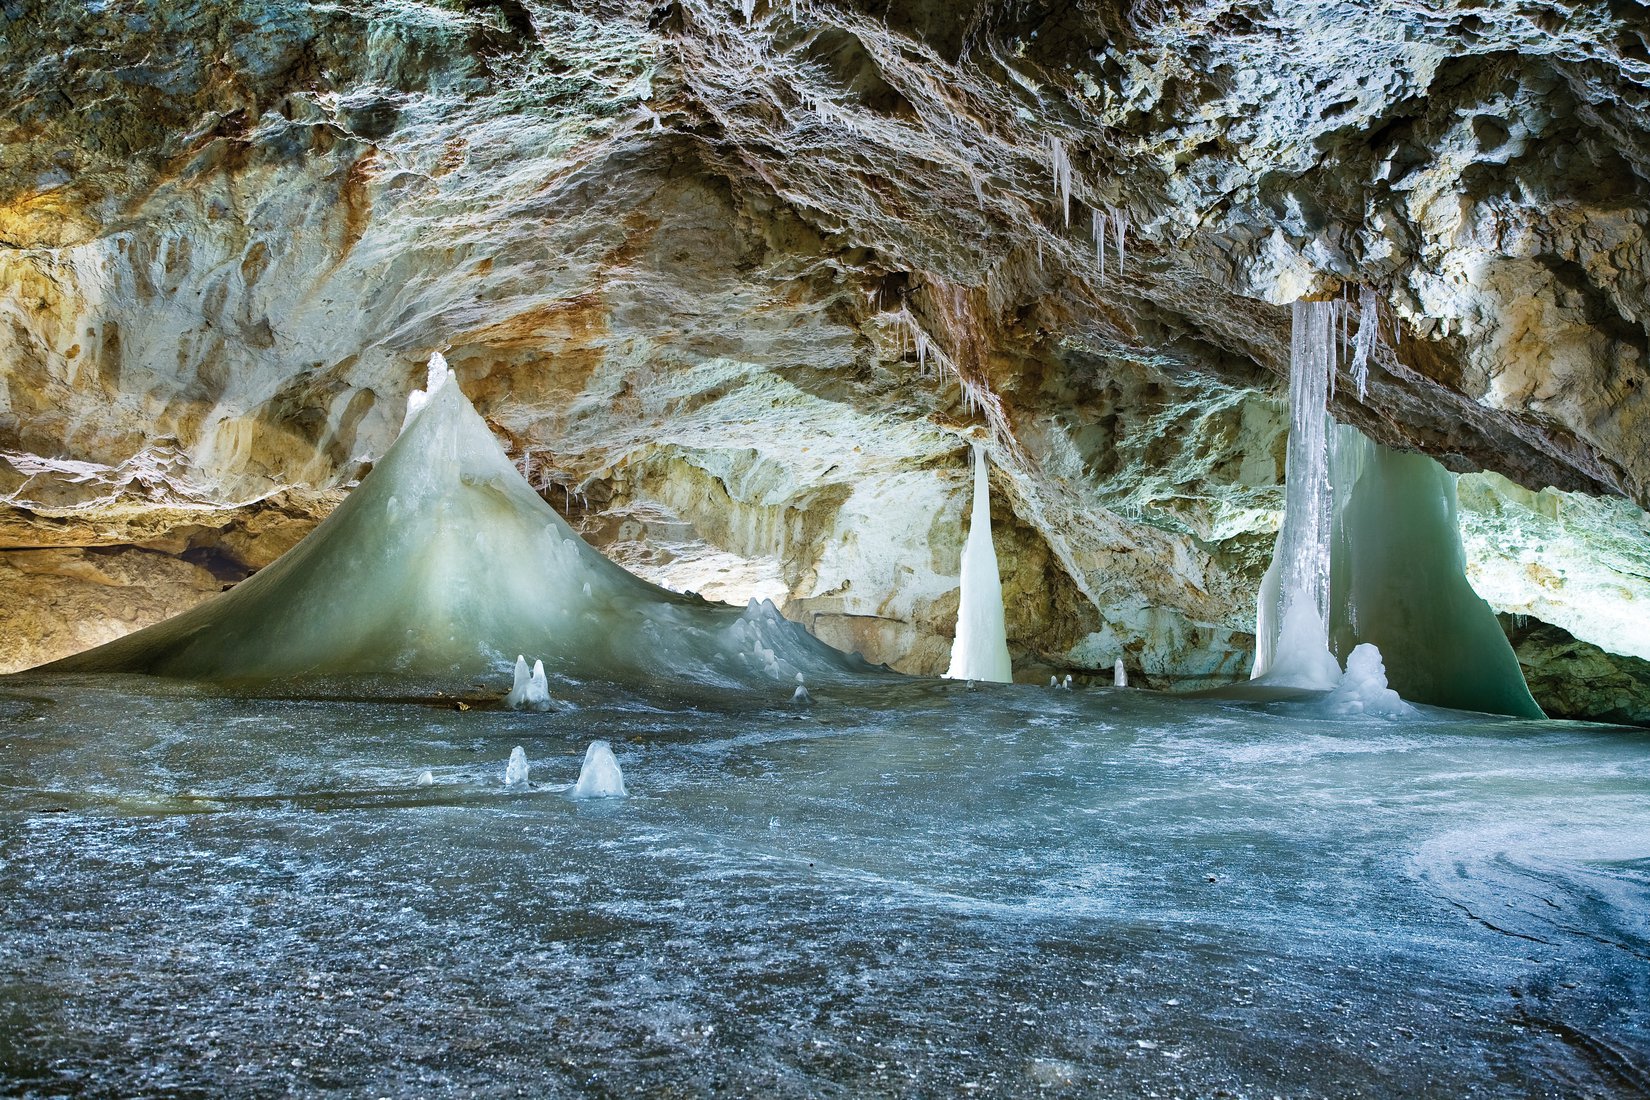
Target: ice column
(1292,635)
(980,651)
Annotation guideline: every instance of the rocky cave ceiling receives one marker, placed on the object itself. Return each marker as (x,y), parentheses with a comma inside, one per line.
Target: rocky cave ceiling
(736,286)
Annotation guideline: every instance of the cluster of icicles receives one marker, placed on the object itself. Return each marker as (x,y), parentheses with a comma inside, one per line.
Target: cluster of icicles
(1112,218)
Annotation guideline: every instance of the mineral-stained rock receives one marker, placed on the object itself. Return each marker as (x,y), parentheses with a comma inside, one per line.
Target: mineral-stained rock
(762,280)
(1572,679)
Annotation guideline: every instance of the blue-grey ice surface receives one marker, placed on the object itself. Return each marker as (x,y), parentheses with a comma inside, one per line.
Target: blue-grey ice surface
(908,889)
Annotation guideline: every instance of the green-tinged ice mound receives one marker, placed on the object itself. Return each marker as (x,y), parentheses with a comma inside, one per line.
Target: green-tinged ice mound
(1399,581)
(445,563)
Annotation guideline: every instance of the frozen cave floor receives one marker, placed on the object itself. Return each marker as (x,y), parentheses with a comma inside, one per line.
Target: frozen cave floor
(907,888)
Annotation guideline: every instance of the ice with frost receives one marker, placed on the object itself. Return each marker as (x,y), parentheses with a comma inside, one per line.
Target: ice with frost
(1363,690)
(980,651)
(531,690)
(600,776)
(515,772)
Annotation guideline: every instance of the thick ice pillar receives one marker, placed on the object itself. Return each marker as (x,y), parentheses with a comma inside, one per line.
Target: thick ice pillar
(980,651)
(1400,582)
(1292,642)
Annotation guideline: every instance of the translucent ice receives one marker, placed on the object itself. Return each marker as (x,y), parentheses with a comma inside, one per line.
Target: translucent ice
(438,566)
(800,695)
(1400,582)
(531,690)
(515,772)
(1292,639)
(1363,690)
(980,651)
(436,376)
(1119,675)
(600,776)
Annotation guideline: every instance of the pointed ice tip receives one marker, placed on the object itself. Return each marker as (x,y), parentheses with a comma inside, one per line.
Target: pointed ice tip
(515,772)
(437,374)
(600,776)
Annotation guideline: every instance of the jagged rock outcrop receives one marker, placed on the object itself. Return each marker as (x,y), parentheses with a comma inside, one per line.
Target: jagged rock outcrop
(1573,679)
(764,275)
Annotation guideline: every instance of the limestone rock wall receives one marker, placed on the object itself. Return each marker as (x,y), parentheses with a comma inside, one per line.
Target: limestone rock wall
(740,290)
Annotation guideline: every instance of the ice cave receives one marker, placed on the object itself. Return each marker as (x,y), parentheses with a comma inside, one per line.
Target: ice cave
(813,548)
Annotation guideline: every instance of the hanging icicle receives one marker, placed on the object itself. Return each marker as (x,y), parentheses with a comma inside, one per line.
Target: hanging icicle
(1060,168)
(1363,344)
(1120,232)
(1097,224)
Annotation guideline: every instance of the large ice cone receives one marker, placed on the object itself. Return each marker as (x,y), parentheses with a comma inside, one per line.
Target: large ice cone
(445,562)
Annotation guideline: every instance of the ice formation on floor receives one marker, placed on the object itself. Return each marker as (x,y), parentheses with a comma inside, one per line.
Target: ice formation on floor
(600,776)
(1370,551)
(425,779)
(441,564)
(515,772)
(800,695)
(1119,675)
(1400,582)
(980,651)
(1363,689)
(1291,636)
(531,690)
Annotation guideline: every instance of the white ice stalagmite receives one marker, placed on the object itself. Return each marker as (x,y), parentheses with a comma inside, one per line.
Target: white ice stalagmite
(800,695)
(980,651)
(515,772)
(1363,689)
(1292,633)
(425,779)
(531,690)
(600,776)
(1119,675)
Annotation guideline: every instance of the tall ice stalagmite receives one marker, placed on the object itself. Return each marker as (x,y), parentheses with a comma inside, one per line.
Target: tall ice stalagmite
(980,651)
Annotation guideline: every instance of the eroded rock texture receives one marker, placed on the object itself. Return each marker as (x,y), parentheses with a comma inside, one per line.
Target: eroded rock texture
(738,287)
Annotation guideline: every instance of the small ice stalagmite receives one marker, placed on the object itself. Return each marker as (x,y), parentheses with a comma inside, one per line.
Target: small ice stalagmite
(1119,675)
(425,779)
(980,651)
(1363,690)
(800,695)
(531,690)
(515,772)
(1065,684)
(600,776)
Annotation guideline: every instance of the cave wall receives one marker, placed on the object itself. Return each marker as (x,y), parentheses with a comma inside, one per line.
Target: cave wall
(739,292)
